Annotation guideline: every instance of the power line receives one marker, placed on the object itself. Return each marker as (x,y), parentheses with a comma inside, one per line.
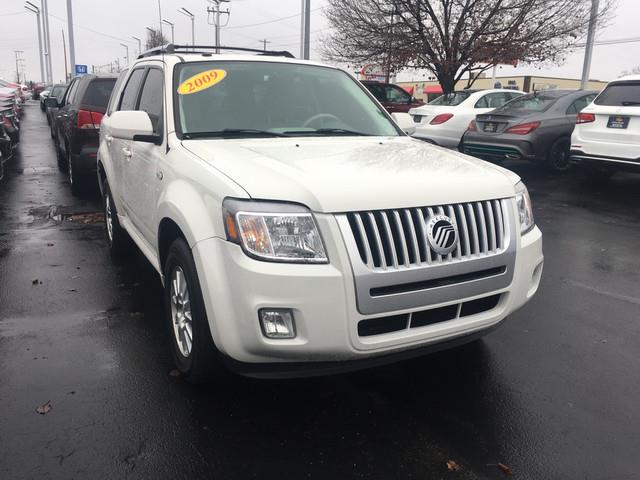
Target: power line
(271,21)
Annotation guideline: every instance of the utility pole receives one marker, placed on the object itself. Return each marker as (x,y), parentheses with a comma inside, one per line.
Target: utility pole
(64,48)
(167,22)
(47,39)
(216,18)
(34,9)
(588,53)
(139,44)
(264,43)
(72,46)
(305,25)
(18,61)
(126,47)
(187,13)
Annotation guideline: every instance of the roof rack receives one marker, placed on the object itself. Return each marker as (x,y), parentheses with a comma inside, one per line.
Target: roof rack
(170,48)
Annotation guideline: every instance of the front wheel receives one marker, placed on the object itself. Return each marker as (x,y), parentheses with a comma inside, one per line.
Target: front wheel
(194,352)
(118,239)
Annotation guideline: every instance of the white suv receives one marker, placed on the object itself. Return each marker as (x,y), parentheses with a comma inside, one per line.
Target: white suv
(607,132)
(297,229)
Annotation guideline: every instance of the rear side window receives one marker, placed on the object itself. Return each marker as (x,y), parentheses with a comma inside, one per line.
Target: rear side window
(451,99)
(377,91)
(578,105)
(130,94)
(114,92)
(534,102)
(151,98)
(397,95)
(98,92)
(71,92)
(622,94)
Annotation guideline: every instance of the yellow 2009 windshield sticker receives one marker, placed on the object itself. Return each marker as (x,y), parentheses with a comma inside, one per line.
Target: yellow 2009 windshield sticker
(201,81)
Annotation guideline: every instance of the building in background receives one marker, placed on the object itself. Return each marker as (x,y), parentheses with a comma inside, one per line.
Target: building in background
(429,90)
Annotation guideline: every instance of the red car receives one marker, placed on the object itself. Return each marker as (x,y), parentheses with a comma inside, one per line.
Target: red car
(392,97)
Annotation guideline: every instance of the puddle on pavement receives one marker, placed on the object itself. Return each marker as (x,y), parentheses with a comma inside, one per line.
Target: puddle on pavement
(59,214)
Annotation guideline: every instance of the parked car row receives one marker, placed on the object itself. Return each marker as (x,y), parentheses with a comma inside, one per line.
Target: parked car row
(12,96)
(553,128)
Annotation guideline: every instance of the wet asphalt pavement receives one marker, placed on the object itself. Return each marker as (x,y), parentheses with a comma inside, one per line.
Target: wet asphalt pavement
(553,394)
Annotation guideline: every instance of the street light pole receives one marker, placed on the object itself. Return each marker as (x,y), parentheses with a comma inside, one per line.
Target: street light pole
(72,45)
(591,35)
(304,29)
(47,39)
(126,47)
(32,8)
(139,44)
(192,17)
(167,22)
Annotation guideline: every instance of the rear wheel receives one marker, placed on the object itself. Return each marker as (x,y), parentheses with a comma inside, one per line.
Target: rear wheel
(194,352)
(558,158)
(74,178)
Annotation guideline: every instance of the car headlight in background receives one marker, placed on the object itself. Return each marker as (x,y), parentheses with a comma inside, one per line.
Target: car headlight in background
(273,231)
(525,210)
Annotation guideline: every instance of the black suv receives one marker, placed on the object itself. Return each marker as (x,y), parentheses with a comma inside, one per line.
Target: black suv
(75,126)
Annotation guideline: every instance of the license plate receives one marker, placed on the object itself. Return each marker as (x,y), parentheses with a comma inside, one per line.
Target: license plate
(490,127)
(618,122)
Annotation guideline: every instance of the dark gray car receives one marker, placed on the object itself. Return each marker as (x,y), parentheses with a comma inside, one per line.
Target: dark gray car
(535,127)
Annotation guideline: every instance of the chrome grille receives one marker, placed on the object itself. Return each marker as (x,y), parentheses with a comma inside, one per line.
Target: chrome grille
(396,239)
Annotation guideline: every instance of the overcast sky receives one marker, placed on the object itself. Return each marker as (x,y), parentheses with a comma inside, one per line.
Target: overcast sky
(102,25)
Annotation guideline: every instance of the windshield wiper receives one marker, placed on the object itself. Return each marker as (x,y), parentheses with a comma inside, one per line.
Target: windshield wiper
(334,131)
(234,132)
(630,103)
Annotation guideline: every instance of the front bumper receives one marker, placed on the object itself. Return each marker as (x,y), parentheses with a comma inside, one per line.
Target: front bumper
(323,299)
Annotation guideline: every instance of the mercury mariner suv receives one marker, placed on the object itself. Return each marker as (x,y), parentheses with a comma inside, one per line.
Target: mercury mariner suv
(296,227)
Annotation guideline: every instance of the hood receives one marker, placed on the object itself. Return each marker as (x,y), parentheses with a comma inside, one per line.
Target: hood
(349,174)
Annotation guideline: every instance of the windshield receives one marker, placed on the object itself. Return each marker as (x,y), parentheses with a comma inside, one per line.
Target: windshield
(451,99)
(531,103)
(249,98)
(620,95)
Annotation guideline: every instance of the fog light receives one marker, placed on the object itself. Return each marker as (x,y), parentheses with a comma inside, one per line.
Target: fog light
(277,323)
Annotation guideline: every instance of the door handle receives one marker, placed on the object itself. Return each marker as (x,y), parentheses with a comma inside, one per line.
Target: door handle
(127,153)
(108,138)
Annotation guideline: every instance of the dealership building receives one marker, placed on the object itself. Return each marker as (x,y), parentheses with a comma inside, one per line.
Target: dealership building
(527,83)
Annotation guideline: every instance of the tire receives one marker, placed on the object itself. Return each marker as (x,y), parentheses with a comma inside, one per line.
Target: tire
(74,178)
(119,241)
(558,157)
(197,360)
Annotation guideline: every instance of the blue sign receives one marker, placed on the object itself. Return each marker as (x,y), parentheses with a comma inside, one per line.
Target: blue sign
(81,70)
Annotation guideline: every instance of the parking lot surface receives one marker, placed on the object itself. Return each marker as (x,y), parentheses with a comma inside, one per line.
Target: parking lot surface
(552,394)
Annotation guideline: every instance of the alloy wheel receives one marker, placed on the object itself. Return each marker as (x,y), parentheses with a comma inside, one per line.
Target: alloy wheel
(181,312)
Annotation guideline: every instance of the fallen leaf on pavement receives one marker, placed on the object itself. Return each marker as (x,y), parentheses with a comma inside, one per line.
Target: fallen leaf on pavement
(505,468)
(452,466)
(44,409)
(174,373)
(36,282)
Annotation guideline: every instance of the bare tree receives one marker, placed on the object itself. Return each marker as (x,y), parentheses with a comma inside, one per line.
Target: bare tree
(155,38)
(454,38)
(633,71)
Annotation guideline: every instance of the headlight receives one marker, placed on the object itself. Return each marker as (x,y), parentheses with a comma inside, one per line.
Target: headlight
(273,231)
(525,210)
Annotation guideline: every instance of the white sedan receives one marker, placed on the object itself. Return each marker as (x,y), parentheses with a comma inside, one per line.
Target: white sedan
(444,120)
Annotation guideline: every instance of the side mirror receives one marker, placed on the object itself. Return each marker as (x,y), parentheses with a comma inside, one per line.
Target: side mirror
(130,125)
(405,122)
(51,102)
